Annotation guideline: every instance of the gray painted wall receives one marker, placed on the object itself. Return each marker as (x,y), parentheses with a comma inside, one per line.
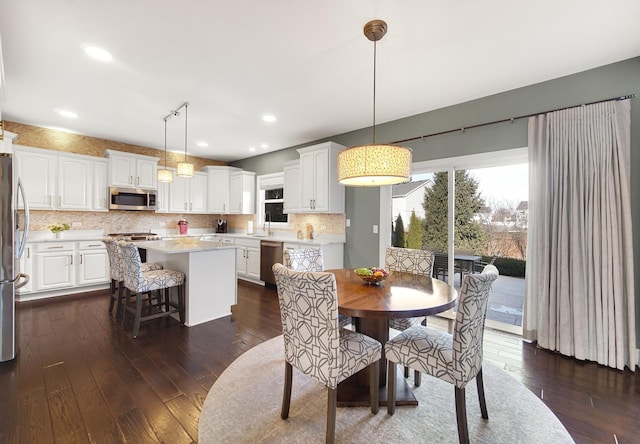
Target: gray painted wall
(362,204)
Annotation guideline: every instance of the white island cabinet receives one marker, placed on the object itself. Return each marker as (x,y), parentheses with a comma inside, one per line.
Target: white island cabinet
(210,269)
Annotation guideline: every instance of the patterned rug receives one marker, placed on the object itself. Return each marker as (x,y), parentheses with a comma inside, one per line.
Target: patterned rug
(243,406)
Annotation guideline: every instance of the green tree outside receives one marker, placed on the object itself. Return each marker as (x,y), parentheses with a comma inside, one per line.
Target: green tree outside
(469,234)
(399,233)
(414,237)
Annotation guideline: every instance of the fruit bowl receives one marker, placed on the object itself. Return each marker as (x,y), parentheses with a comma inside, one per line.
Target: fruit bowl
(372,275)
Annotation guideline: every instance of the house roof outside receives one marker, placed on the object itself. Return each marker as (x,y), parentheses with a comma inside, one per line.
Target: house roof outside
(404,189)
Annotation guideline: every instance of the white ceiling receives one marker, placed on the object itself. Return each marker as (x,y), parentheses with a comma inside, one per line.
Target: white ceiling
(307,62)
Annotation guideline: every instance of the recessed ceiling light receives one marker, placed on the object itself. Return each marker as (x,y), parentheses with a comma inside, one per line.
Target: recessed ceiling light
(67,114)
(98,53)
(252,149)
(264,146)
(269,118)
(202,144)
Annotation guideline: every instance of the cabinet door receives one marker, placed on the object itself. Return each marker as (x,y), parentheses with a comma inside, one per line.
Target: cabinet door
(235,194)
(100,187)
(241,261)
(37,173)
(307,181)
(198,194)
(253,263)
(218,192)
(146,173)
(123,171)
(292,194)
(178,194)
(93,267)
(164,190)
(55,270)
(321,180)
(75,183)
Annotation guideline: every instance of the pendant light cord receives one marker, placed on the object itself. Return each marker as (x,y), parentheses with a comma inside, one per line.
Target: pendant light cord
(374,90)
(165,144)
(186,115)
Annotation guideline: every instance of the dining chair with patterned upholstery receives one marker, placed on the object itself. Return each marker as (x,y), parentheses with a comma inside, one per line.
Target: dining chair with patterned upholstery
(310,259)
(315,344)
(412,261)
(455,358)
(116,266)
(138,282)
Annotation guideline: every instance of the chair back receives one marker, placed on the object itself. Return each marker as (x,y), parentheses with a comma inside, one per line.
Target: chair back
(309,313)
(469,326)
(409,260)
(132,269)
(115,259)
(304,259)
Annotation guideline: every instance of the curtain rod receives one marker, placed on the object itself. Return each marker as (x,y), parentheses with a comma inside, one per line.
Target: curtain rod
(511,119)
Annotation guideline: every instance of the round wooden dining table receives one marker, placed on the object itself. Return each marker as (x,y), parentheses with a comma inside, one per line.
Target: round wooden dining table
(401,295)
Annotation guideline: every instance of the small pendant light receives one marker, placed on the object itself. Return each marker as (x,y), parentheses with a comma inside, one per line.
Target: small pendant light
(185,169)
(165,175)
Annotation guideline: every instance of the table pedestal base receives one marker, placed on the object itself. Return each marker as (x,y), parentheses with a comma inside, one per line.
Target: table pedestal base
(351,393)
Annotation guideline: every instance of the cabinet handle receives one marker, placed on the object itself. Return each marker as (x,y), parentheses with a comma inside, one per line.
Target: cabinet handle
(131,179)
(138,180)
(185,205)
(54,248)
(59,200)
(71,259)
(191,206)
(28,253)
(94,245)
(80,259)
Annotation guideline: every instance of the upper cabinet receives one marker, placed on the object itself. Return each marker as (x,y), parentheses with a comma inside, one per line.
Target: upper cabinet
(242,185)
(61,181)
(218,188)
(132,170)
(292,194)
(188,194)
(319,187)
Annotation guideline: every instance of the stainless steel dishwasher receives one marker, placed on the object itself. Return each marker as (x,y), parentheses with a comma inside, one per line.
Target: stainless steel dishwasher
(270,253)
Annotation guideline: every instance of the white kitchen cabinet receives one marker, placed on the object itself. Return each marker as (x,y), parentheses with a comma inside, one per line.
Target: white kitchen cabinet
(242,186)
(55,181)
(92,263)
(292,180)
(75,183)
(248,258)
(37,172)
(132,170)
(218,188)
(188,195)
(332,254)
(163,197)
(319,187)
(54,266)
(100,185)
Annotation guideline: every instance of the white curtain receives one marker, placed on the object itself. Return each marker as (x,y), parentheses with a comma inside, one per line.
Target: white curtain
(580,297)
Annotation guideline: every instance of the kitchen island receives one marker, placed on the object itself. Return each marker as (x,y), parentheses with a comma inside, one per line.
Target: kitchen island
(210,270)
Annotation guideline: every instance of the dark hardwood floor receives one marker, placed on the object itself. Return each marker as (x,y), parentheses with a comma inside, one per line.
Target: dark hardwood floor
(79,377)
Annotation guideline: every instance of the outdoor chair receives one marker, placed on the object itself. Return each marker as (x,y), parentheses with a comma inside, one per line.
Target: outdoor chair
(315,344)
(455,358)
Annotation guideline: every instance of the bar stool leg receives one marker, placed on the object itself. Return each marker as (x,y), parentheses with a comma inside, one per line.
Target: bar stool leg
(181,304)
(127,300)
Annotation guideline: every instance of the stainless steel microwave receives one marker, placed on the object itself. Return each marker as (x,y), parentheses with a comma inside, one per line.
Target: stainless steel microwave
(132,199)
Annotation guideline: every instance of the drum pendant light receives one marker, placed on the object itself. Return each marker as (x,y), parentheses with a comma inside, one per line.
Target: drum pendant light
(165,175)
(185,169)
(374,164)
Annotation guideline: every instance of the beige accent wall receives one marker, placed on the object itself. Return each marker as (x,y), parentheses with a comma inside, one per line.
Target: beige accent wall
(38,137)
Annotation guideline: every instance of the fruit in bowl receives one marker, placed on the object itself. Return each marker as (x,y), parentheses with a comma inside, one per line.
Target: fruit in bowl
(372,275)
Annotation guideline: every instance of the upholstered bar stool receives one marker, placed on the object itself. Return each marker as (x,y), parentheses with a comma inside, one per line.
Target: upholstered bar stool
(117,273)
(138,282)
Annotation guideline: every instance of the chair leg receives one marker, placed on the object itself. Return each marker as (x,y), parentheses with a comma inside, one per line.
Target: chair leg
(461,415)
(286,396)
(136,321)
(483,402)
(417,378)
(391,388)
(374,390)
(127,300)
(112,294)
(120,298)
(332,402)
(181,304)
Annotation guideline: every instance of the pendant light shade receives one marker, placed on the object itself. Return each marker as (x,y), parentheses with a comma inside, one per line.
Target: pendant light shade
(374,164)
(165,175)
(185,169)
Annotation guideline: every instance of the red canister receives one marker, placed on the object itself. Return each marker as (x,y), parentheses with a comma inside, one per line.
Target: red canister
(183,225)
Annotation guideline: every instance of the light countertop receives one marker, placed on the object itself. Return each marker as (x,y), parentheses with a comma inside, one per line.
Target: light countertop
(178,246)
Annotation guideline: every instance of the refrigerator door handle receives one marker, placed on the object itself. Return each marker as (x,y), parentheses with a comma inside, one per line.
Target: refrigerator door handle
(23,241)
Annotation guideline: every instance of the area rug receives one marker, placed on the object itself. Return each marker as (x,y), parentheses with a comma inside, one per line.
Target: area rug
(243,406)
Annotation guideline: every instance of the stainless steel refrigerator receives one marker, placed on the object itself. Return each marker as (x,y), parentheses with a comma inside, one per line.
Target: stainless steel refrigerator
(12,242)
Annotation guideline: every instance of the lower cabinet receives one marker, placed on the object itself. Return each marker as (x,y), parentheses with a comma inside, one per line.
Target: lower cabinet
(248,259)
(64,267)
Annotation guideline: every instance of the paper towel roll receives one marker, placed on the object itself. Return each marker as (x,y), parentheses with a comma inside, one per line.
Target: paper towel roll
(250,227)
